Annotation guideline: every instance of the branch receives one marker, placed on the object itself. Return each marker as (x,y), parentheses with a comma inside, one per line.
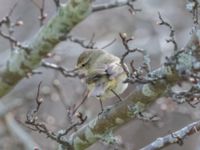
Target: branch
(65,72)
(114,4)
(43,15)
(175,137)
(33,123)
(172,32)
(144,95)
(21,134)
(20,63)
(82,42)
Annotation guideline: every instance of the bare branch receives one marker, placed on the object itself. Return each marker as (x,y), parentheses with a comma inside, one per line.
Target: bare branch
(10,26)
(14,42)
(114,4)
(81,121)
(171,35)
(136,75)
(81,103)
(64,71)
(175,137)
(193,7)
(109,44)
(83,43)
(35,125)
(41,8)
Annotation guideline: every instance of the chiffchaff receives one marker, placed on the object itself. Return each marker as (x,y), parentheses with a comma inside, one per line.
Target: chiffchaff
(103,72)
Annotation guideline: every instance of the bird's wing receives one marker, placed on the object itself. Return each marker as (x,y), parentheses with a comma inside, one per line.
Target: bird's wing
(98,89)
(113,70)
(97,81)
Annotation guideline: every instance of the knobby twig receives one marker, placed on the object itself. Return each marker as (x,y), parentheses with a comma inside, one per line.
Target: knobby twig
(175,137)
(41,8)
(10,25)
(115,4)
(137,75)
(65,72)
(74,125)
(83,43)
(35,125)
(171,34)
(193,7)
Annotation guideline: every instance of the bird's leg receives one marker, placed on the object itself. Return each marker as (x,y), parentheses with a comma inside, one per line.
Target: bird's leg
(119,98)
(102,109)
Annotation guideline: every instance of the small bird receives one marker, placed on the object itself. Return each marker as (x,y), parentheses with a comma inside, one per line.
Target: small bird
(103,73)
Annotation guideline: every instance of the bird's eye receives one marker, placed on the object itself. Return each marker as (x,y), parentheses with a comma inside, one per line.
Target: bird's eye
(83,65)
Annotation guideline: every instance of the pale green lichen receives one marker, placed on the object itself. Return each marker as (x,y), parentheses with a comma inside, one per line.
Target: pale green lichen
(148,90)
(198,33)
(119,120)
(194,47)
(110,138)
(185,61)
(13,64)
(4,87)
(78,142)
(135,109)
(89,135)
(21,62)
(93,123)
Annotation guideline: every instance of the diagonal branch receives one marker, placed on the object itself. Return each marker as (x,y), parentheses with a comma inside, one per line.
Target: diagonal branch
(20,63)
(144,95)
(175,137)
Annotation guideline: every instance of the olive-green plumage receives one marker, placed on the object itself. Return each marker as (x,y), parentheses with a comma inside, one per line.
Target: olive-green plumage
(103,73)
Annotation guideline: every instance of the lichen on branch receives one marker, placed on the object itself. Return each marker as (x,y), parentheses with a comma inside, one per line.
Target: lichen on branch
(22,62)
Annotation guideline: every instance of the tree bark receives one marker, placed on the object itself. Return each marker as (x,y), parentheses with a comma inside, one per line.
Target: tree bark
(23,61)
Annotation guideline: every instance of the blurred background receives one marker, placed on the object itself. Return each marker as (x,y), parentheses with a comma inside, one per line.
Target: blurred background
(59,92)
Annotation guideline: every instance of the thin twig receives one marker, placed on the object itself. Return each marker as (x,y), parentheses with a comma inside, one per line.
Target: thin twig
(109,44)
(10,26)
(14,42)
(193,7)
(41,8)
(171,34)
(35,125)
(64,71)
(81,121)
(81,103)
(114,4)
(82,42)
